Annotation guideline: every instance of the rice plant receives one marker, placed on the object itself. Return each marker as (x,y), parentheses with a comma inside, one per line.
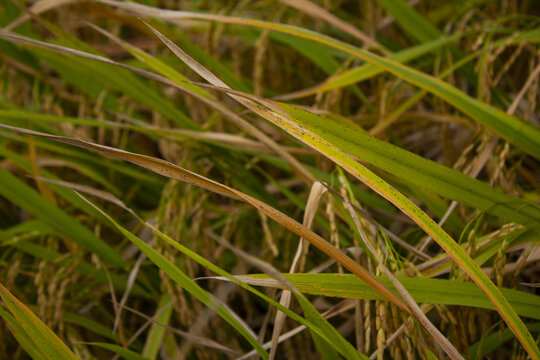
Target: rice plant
(269,179)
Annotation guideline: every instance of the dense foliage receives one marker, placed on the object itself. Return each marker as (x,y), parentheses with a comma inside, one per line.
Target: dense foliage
(174,172)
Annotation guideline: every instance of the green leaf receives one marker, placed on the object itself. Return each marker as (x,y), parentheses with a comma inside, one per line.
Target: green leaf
(123,352)
(89,324)
(24,340)
(490,343)
(34,203)
(157,331)
(342,158)
(521,134)
(429,291)
(531,138)
(410,20)
(204,58)
(189,285)
(325,349)
(92,78)
(316,323)
(45,340)
(416,170)
(367,71)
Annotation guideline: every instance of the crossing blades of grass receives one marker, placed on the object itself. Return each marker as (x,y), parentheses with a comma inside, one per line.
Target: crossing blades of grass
(69,81)
(191,286)
(27,198)
(519,133)
(315,322)
(172,171)
(444,181)
(343,159)
(426,291)
(176,80)
(417,170)
(368,71)
(182,82)
(277,114)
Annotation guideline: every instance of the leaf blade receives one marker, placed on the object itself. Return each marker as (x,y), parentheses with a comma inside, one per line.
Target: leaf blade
(48,343)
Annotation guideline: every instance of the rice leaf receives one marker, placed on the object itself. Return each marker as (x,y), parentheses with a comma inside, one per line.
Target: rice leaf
(34,203)
(426,291)
(24,340)
(44,339)
(157,331)
(190,286)
(516,131)
(319,325)
(119,350)
(173,171)
(417,170)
